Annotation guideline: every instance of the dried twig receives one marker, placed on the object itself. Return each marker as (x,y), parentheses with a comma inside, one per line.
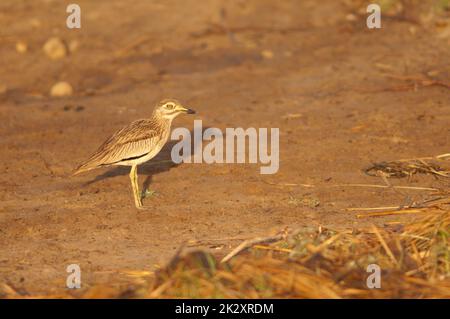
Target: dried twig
(353,209)
(405,168)
(322,246)
(395,212)
(197,242)
(284,250)
(418,80)
(251,242)
(356,185)
(132,45)
(385,246)
(387,186)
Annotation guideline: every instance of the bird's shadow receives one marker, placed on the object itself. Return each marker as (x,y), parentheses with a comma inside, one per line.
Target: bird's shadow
(160,163)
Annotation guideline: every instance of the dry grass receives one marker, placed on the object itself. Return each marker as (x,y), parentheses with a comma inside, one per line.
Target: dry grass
(313,263)
(407,168)
(308,263)
(322,263)
(415,263)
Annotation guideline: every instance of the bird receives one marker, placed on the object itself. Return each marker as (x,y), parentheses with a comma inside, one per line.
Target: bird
(136,143)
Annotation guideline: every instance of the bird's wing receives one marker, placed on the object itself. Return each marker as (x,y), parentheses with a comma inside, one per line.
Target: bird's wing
(132,141)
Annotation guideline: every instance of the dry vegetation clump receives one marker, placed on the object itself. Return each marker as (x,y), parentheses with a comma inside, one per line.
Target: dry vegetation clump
(407,168)
(319,263)
(309,263)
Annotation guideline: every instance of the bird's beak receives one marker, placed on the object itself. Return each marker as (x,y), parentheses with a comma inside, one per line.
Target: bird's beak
(188,111)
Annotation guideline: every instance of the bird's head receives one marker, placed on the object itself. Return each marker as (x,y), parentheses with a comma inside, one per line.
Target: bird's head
(170,108)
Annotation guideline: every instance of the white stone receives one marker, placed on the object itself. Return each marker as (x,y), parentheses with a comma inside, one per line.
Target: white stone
(61,89)
(55,48)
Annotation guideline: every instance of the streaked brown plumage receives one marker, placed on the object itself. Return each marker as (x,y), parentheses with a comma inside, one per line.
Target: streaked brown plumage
(129,143)
(136,143)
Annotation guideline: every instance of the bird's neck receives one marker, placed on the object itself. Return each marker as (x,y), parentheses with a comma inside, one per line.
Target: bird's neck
(161,120)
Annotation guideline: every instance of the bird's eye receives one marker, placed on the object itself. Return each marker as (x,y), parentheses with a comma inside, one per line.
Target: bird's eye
(170,106)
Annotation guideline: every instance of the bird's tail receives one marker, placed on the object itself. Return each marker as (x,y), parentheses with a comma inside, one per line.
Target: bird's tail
(95,161)
(83,167)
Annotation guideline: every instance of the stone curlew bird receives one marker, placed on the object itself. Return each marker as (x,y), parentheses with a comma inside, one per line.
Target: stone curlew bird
(136,143)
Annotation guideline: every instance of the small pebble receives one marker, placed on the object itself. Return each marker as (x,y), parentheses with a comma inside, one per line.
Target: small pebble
(21,47)
(55,48)
(267,54)
(61,89)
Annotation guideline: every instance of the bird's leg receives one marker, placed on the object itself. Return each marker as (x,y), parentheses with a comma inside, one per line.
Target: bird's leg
(132,172)
(135,186)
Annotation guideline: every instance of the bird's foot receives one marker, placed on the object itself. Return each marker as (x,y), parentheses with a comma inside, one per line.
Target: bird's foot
(144,194)
(138,204)
(149,193)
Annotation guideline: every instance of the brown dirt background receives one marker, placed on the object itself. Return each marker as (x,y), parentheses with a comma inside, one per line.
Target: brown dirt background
(239,64)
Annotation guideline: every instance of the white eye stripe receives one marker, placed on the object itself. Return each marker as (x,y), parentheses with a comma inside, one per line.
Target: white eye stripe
(172,112)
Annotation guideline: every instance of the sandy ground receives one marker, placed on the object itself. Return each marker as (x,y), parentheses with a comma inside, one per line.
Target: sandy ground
(294,65)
